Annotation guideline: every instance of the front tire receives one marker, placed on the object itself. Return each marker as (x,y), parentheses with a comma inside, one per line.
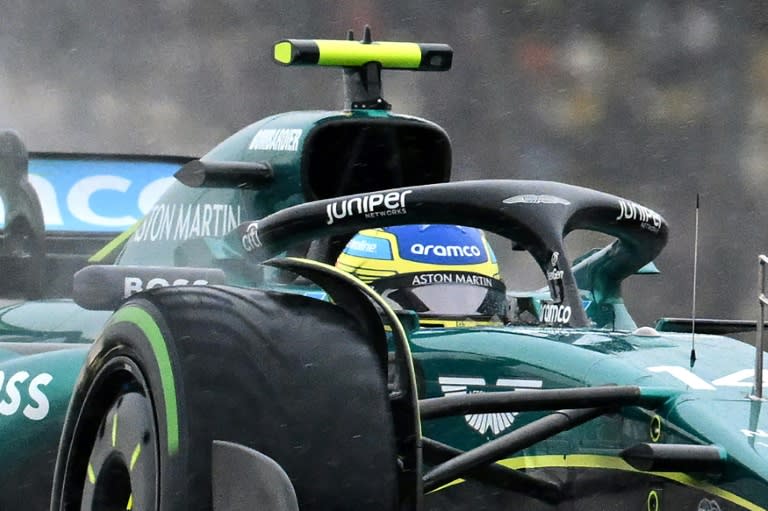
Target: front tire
(289,376)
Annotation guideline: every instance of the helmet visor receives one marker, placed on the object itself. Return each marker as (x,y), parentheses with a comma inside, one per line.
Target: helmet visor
(445,293)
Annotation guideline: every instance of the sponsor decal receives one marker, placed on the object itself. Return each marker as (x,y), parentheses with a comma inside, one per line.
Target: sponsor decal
(649,219)
(536,199)
(486,423)
(21,388)
(426,279)
(555,313)
(457,245)
(133,285)
(369,247)
(282,139)
(251,239)
(554,273)
(446,250)
(180,222)
(96,195)
(373,205)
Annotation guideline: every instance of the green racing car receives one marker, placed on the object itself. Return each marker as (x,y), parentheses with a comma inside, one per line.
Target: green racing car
(267,336)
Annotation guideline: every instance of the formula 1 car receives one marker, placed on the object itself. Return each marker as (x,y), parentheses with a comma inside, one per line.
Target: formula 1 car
(213,357)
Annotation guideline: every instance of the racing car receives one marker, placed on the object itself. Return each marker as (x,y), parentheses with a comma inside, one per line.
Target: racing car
(215,356)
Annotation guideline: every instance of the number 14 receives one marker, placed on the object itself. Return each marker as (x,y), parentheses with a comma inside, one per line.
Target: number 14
(742,378)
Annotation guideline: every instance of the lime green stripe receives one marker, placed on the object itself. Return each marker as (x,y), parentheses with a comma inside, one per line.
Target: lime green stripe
(91,475)
(130,502)
(113,245)
(613,463)
(114,429)
(446,485)
(135,456)
(140,318)
(353,53)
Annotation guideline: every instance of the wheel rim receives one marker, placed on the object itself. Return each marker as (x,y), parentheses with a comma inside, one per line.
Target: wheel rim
(121,467)
(121,472)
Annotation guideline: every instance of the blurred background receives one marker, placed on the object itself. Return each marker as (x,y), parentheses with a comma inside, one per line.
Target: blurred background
(652,100)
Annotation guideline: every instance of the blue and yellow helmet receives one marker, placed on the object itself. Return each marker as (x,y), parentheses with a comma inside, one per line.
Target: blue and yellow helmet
(448,274)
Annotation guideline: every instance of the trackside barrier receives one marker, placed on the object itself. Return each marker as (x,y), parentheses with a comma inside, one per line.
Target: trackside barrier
(763,301)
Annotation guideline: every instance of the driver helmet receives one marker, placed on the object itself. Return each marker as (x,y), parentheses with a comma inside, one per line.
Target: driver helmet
(448,274)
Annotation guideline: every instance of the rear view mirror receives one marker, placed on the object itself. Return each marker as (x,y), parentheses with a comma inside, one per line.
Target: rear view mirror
(22,239)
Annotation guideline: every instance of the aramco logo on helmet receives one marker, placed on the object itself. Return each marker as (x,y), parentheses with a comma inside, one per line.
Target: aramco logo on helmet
(446,250)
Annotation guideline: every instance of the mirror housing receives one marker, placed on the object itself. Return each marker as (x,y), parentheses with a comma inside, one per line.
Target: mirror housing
(22,243)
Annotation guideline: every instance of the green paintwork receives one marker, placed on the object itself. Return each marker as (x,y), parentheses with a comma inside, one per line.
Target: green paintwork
(720,412)
(166,237)
(50,321)
(31,429)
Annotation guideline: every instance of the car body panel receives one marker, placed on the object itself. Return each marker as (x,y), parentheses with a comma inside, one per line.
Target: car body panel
(35,393)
